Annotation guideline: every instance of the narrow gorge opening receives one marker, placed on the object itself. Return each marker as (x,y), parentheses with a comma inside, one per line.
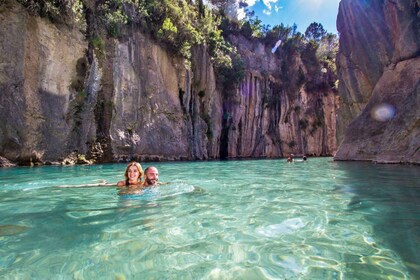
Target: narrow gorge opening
(224,137)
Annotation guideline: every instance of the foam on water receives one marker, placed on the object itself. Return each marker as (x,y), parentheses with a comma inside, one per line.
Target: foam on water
(286,227)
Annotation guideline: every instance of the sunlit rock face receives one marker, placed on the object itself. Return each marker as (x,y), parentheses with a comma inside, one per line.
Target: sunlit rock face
(378,65)
(162,110)
(38,81)
(270,113)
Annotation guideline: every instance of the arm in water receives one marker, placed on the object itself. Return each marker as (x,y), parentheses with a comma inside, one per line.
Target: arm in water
(102,183)
(133,174)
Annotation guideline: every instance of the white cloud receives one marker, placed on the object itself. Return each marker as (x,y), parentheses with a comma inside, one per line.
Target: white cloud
(267,12)
(277,8)
(268,3)
(241,14)
(233,11)
(250,2)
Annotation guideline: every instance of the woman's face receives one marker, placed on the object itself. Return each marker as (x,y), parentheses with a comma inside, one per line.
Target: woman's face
(133,173)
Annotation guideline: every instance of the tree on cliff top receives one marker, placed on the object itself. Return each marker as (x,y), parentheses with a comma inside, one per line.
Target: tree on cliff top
(183,24)
(315,31)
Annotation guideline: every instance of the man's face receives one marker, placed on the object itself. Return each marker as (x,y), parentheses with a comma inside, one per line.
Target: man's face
(152,176)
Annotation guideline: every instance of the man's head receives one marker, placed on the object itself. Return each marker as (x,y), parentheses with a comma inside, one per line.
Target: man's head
(151,176)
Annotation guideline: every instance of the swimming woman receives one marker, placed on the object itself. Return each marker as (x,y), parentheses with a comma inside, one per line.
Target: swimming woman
(133,174)
(132,183)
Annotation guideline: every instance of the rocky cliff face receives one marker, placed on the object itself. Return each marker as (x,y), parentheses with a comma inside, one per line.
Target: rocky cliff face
(161,109)
(132,99)
(271,113)
(379,70)
(38,76)
(137,101)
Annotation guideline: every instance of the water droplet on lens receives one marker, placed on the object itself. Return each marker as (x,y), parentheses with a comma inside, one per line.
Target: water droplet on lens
(383,112)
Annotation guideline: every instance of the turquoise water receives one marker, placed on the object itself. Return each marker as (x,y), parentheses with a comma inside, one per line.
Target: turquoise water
(259,219)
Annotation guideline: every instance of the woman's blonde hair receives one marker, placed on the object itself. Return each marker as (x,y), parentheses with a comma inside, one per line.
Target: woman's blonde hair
(139,168)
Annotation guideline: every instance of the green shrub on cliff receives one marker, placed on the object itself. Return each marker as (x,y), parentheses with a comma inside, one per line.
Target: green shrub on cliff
(57,11)
(253,27)
(168,30)
(180,24)
(233,74)
(327,51)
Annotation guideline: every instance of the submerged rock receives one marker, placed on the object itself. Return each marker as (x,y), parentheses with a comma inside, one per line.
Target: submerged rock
(12,229)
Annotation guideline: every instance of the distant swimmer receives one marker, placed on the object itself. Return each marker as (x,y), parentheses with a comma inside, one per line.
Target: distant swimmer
(290,158)
(301,160)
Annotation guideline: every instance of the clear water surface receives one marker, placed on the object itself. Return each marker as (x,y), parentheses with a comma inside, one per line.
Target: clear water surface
(251,219)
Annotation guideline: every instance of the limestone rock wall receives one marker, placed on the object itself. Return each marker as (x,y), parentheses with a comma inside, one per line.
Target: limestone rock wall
(130,98)
(378,67)
(271,114)
(38,77)
(263,122)
(131,101)
(160,107)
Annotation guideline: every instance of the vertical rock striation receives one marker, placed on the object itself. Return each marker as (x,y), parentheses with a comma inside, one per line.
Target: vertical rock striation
(379,70)
(271,113)
(162,110)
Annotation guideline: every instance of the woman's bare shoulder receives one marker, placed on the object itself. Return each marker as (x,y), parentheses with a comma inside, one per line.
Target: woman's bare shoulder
(121,184)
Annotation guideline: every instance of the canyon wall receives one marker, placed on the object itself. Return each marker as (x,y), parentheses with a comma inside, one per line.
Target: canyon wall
(160,107)
(38,70)
(379,69)
(271,113)
(130,98)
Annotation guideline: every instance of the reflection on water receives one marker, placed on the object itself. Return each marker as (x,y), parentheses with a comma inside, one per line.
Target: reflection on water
(389,198)
(261,219)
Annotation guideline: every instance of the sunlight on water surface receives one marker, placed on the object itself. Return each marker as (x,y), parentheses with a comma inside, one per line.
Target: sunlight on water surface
(260,219)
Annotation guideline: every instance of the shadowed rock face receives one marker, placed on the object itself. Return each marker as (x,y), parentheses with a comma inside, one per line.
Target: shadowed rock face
(38,80)
(379,70)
